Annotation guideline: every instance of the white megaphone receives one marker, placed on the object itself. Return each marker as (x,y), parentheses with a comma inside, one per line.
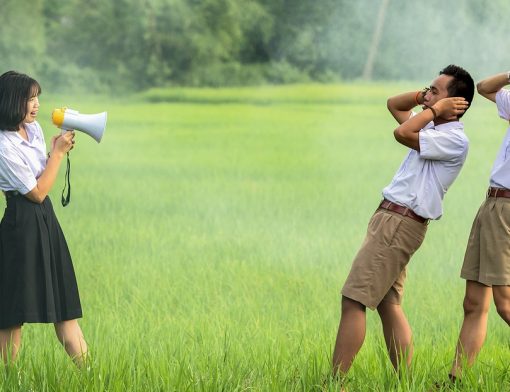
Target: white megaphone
(93,125)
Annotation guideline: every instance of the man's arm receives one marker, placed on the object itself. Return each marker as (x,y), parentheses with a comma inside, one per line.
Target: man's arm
(400,105)
(491,85)
(408,133)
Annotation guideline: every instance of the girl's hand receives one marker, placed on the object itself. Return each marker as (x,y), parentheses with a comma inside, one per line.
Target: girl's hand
(62,144)
(53,140)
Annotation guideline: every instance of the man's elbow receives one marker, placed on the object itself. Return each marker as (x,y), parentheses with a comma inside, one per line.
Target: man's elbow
(389,104)
(406,138)
(397,133)
(480,88)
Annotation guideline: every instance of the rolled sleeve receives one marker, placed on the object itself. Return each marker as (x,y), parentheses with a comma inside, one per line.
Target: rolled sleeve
(16,172)
(503,103)
(442,146)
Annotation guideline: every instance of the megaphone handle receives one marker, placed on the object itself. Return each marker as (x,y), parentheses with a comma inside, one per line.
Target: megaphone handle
(67,183)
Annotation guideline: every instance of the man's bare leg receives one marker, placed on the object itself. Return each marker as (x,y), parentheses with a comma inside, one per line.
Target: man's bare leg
(397,333)
(351,334)
(474,327)
(502,301)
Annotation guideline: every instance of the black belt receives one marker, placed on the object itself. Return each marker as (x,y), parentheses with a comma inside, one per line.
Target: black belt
(9,194)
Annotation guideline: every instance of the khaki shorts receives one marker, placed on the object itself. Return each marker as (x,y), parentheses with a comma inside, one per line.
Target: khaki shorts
(487,258)
(379,269)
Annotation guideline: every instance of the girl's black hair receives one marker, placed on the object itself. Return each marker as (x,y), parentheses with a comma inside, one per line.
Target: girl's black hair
(15,91)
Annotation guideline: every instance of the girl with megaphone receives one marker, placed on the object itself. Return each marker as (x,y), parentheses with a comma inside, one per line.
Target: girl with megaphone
(37,280)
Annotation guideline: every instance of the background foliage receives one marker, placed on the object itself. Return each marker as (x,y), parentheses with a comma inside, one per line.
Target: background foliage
(127,45)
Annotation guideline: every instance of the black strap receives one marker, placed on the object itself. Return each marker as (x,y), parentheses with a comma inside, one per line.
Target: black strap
(67,183)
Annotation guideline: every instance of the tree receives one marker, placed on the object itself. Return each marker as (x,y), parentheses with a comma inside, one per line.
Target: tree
(369,65)
(22,36)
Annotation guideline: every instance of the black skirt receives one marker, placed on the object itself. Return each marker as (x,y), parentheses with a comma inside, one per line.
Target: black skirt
(37,280)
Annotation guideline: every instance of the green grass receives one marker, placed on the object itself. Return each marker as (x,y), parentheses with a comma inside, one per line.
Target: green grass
(212,230)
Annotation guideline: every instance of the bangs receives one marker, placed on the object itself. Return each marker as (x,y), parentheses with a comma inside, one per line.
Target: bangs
(35,89)
(15,91)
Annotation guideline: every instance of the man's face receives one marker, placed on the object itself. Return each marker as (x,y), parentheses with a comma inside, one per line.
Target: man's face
(437,90)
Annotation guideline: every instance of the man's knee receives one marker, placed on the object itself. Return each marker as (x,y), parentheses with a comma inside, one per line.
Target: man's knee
(387,307)
(502,302)
(350,305)
(504,311)
(474,305)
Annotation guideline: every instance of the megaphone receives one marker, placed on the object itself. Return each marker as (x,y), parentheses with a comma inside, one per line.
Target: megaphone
(93,125)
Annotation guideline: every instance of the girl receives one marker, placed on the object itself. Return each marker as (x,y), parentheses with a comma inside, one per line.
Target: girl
(37,281)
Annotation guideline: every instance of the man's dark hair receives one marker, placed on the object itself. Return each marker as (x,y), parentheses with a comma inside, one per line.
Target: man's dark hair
(462,84)
(15,91)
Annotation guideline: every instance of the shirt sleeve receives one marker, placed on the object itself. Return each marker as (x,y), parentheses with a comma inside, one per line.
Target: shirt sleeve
(16,172)
(442,146)
(503,103)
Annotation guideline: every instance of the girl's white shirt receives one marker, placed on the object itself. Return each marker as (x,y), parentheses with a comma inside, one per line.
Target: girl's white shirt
(22,161)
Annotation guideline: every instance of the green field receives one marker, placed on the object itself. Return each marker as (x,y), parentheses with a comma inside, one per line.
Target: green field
(212,230)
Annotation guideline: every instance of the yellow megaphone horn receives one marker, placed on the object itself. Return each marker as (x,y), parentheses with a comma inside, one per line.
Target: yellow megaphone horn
(93,125)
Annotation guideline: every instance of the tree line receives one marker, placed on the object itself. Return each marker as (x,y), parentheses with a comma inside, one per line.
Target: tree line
(126,45)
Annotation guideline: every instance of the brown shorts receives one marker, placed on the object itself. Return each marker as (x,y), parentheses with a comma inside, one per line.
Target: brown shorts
(487,258)
(379,269)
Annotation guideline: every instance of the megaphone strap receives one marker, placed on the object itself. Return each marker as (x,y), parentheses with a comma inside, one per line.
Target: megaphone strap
(67,183)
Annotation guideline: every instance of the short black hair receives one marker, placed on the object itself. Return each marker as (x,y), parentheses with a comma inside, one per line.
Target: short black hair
(462,84)
(15,91)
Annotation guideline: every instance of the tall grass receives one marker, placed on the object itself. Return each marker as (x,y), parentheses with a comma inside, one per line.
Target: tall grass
(212,230)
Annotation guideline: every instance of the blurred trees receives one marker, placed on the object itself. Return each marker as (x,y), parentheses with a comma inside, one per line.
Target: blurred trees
(135,44)
(22,40)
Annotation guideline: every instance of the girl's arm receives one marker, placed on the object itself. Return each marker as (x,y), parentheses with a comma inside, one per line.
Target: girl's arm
(61,145)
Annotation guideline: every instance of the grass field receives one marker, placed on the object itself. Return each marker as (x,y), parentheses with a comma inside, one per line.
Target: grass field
(212,230)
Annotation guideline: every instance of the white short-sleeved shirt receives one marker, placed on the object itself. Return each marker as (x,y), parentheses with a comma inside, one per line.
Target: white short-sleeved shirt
(500,174)
(21,161)
(424,177)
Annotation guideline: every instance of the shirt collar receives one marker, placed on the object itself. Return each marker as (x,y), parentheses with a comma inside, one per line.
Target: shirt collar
(15,137)
(449,125)
(31,132)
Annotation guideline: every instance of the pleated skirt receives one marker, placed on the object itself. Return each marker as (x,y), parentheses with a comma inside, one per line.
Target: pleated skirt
(37,279)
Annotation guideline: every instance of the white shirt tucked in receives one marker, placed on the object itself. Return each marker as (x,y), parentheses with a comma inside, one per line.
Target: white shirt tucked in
(21,161)
(424,177)
(500,175)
